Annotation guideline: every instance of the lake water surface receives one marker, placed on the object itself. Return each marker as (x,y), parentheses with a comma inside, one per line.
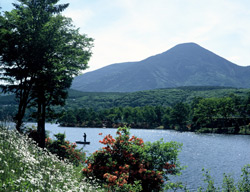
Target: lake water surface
(217,152)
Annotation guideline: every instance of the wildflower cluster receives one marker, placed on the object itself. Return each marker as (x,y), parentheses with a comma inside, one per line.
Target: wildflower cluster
(126,161)
(65,149)
(107,140)
(26,167)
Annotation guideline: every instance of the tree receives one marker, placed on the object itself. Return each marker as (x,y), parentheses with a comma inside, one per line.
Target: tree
(68,119)
(166,118)
(226,109)
(150,117)
(82,115)
(42,52)
(159,110)
(180,115)
(205,111)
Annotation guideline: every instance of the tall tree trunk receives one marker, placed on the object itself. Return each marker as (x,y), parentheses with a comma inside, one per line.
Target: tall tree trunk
(21,112)
(24,99)
(19,118)
(41,118)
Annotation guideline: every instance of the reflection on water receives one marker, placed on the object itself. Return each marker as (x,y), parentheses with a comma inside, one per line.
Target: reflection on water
(218,153)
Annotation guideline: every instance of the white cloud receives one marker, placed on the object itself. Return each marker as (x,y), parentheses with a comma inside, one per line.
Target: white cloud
(131,30)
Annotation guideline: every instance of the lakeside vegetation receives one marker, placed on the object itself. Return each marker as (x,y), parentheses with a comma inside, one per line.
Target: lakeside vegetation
(128,164)
(26,167)
(124,164)
(199,109)
(224,112)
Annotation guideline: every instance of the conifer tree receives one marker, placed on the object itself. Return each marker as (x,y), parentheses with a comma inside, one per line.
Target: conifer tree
(41,51)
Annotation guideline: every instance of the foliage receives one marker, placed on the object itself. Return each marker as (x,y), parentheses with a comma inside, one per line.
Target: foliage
(210,182)
(41,52)
(126,161)
(7,100)
(26,167)
(205,110)
(159,97)
(145,117)
(65,149)
(179,115)
(219,115)
(243,185)
(32,163)
(228,114)
(7,113)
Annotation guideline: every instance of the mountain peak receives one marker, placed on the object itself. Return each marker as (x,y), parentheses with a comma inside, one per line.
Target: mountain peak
(188,44)
(186,64)
(187,47)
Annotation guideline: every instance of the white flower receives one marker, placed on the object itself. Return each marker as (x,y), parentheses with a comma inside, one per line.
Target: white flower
(43,170)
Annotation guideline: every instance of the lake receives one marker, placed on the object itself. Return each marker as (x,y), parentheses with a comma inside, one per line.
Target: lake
(217,152)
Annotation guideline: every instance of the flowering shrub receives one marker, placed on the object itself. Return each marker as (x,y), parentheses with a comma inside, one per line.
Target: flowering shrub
(65,149)
(127,162)
(25,167)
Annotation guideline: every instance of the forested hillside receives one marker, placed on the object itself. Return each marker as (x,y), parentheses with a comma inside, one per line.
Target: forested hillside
(163,97)
(157,97)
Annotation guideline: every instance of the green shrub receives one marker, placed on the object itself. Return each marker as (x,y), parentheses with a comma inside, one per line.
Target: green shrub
(127,163)
(228,185)
(65,149)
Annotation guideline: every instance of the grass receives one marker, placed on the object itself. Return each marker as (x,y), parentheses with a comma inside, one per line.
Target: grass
(26,167)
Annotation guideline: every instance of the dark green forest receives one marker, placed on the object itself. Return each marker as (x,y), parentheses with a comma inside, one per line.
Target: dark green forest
(218,115)
(200,109)
(158,97)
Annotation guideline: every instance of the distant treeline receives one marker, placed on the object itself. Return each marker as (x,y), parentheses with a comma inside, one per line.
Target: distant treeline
(7,112)
(229,114)
(157,97)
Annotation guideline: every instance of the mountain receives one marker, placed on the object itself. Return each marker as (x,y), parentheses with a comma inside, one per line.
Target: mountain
(185,64)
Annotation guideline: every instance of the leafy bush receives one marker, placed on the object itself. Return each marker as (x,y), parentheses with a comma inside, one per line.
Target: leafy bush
(229,185)
(65,149)
(127,163)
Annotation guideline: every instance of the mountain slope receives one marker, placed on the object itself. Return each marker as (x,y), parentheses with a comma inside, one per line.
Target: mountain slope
(186,64)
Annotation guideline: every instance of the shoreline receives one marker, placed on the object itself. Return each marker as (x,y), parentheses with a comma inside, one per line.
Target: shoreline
(200,131)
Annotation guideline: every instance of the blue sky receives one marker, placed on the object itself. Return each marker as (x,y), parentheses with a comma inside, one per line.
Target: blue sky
(132,30)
